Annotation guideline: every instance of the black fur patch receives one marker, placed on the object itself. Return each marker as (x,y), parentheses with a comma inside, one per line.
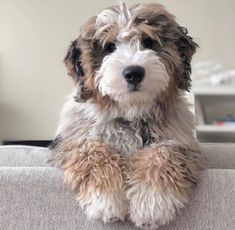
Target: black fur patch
(186,47)
(72,61)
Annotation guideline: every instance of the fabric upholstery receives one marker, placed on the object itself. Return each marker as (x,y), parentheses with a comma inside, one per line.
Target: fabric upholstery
(16,156)
(33,197)
(217,155)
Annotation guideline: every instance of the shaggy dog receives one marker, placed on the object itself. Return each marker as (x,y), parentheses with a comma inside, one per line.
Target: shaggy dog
(125,140)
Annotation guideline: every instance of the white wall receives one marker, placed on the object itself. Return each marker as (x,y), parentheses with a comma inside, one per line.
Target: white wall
(34,36)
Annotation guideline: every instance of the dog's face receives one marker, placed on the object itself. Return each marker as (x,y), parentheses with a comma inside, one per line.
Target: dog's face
(131,56)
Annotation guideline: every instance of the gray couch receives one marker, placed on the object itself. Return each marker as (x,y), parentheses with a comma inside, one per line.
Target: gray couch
(33,197)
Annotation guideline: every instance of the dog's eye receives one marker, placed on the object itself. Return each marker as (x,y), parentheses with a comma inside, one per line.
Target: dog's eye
(110,47)
(148,43)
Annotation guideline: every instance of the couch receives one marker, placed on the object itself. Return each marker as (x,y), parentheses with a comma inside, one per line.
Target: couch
(33,196)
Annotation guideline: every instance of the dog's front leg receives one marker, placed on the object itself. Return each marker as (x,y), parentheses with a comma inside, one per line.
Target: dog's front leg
(95,173)
(160,182)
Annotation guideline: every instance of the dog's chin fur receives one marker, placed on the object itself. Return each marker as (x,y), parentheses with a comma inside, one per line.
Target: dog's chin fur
(129,151)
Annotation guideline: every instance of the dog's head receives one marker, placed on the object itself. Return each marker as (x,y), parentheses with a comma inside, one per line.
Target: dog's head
(131,56)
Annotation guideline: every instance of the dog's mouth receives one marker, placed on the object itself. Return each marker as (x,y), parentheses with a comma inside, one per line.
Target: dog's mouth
(134,87)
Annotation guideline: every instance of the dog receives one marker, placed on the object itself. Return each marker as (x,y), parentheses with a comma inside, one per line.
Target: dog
(126,137)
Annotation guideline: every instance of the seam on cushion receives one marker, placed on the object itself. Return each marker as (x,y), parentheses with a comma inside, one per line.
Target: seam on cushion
(57,169)
(22,167)
(25,166)
(218,170)
(24,147)
(216,144)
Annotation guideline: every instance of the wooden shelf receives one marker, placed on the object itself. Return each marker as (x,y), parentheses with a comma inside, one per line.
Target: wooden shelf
(215,128)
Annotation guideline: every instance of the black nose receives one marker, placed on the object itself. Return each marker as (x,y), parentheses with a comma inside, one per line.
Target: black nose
(133,74)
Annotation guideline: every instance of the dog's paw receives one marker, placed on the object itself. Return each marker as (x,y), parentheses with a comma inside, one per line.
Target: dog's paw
(150,209)
(147,225)
(109,208)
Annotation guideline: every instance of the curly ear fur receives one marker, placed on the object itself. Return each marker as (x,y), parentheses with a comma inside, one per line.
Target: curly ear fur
(186,47)
(184,43)
(72,61)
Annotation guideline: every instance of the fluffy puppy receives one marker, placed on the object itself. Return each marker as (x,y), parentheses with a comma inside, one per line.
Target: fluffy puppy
(125,139)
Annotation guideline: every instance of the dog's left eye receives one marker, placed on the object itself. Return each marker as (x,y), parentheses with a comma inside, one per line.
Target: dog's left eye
(148,43)
(110,47)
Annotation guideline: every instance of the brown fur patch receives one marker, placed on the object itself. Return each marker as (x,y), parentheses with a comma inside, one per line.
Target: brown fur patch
(151,20)
(166,168)
(92,167)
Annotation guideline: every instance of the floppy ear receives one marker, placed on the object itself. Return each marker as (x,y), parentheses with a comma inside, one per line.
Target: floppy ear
(72,61)
(186,48)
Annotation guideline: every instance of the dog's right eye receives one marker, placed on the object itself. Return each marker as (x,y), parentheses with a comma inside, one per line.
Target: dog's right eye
(110,47)
(148,43)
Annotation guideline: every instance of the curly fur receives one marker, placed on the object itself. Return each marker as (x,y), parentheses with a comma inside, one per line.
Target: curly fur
(123,152)
(96,174)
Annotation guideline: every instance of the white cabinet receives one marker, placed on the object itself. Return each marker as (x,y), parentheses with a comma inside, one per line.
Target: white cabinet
(215,113)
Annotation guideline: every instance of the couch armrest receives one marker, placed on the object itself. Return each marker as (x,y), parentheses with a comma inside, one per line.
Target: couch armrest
(218,155)
(23,156)
(34,198)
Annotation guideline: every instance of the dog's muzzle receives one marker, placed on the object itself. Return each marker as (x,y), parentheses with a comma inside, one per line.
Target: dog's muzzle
(133,75)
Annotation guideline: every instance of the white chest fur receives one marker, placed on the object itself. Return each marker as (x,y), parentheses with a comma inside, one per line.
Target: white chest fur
(121,135)
(85,121)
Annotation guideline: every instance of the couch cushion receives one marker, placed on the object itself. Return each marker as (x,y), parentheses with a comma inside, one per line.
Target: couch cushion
(28,156)
(35,199)
(218,155)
